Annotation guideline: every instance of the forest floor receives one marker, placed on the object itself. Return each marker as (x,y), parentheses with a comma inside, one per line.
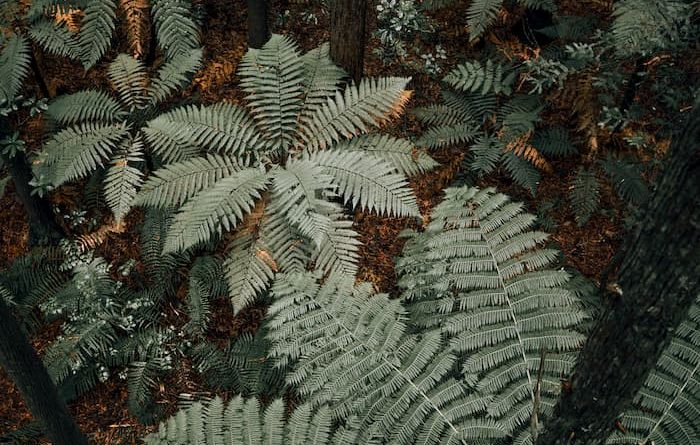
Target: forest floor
(102,413)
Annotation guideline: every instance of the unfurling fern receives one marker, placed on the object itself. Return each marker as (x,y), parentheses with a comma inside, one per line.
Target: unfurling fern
(298,148)
(244,422)
(480,276)
(667,408)
(99,131)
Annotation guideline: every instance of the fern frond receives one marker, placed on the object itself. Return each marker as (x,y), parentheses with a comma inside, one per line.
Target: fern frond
(482,14)
(14,67)
(523,173)
(129,79)
(627,180)
(475,77)
(250,269)
(197,307)
(370,103)
(174,74)
(584,194)
(76,151)
(667,407)
(223,127)
(554,141)
(137,24)
(644,26)
(141,381)
(321,79)
(176,31)
(485,154)
(479,274)
(349,349)
(96,30)
(55,38)
(85,106)
(448,135)
(174,184)
(242,422)
(400,153)
(367,182)
(273,77)
(214,209)
(123,179)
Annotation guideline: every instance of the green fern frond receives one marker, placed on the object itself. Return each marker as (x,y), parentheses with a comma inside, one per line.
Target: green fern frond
(273,77)
(214,209)
(584,194)
(482,14)
(667,408)
(476,107)
(241,422)
(223,127)
(55,38)
(197,307)
(486,152)
(174,184)
(141,381)
(96,30)
(123,179)
(523,173)
(643,26)
(129,79)
(174,74)
(321,79)
(479,274)
(367,182)
(439,115)
(14,67)
(76,151)
(448,135)
(475,77)
(554,141)
(176,31)
(351,113)
(397,152)
(350,349)
(85,106)
(285,243)
(250,269)
(626,179)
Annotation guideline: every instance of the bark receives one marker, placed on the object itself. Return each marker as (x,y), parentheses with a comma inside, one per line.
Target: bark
(258,32)
(659,278)
(348,35)
(24,366)
(42,226)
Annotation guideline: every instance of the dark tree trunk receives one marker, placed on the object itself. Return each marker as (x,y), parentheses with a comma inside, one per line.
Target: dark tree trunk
(42,227)
(24,366)
(659,278)
(258,32)
(348,35)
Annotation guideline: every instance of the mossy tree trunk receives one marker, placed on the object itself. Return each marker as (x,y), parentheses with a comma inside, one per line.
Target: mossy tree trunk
(348,35)
(258,31)
(42,226)
(659,278)
(24,366)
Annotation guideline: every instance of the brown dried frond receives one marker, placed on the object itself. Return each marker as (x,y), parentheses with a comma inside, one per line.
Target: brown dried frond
(215,73)
(522,148)
(581,94)
(137,24)
(397,108)
(72,18)
(99,236)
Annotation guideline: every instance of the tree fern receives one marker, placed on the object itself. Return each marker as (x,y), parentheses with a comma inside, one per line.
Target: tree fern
(667,408)
(176,30)
(479,275)
(298,145)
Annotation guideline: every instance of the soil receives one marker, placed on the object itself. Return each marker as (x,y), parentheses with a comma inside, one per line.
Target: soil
(102,413)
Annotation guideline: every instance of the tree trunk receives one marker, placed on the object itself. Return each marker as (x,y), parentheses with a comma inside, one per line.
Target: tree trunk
(258,32)
(24,366)
(42,227)
(659,278)
(348,35)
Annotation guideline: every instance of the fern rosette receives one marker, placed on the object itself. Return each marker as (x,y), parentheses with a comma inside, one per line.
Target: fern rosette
(298,151)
